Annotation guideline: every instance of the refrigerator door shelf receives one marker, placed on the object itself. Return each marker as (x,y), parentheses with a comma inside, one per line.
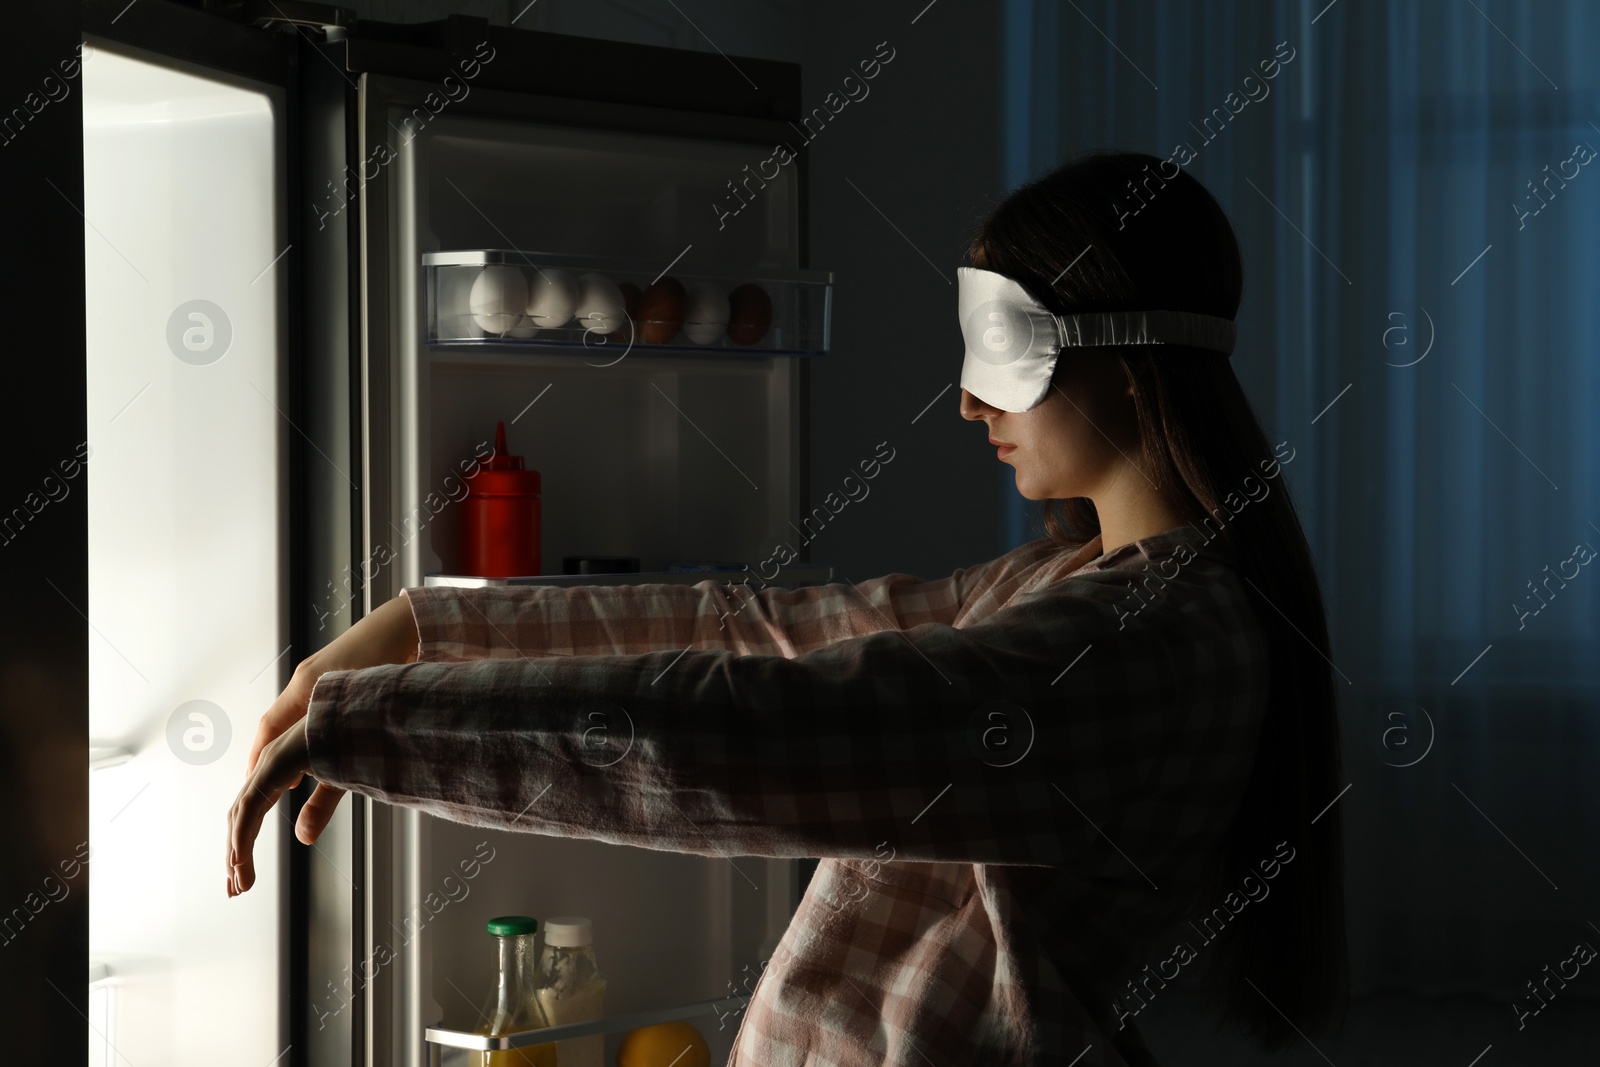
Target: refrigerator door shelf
(721,1006)
(790,576)
(726,310)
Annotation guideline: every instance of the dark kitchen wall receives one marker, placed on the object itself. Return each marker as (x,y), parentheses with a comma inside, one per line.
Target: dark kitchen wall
(898,181)
(901,166)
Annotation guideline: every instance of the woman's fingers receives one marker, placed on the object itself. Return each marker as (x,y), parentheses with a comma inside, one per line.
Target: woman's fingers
(317,811)
(282,763)
(244,825)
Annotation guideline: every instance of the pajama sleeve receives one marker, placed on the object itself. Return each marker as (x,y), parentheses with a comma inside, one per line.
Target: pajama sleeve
(1127,728)
(550,620)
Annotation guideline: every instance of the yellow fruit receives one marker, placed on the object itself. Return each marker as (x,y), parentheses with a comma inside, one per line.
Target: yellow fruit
(676,1044)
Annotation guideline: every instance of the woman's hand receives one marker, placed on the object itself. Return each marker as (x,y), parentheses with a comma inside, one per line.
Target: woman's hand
(387,635)
(283,763)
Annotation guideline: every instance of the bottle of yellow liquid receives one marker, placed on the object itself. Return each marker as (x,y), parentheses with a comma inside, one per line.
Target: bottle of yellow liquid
(514,1007)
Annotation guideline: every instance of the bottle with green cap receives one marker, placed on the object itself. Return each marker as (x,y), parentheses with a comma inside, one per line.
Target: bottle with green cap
(514,1006)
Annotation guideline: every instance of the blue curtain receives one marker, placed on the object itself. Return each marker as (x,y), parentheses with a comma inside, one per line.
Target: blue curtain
(1417,194)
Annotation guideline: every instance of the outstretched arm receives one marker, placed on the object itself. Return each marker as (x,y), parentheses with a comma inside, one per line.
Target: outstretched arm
(532,624)
(595,620)
(872,739)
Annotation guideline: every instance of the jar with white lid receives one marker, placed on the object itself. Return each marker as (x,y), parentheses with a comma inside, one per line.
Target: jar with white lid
(571,988)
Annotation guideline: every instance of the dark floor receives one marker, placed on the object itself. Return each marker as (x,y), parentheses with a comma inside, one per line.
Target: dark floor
(1395,1030)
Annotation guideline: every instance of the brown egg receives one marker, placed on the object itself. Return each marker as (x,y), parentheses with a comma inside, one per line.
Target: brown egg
(630,301)
(661,311)
(749,314)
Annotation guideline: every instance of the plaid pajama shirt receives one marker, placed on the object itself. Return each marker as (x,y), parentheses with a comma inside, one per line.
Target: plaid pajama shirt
(1015,776)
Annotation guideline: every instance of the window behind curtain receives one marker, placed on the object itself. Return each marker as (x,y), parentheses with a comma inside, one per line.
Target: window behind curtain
(1371,189)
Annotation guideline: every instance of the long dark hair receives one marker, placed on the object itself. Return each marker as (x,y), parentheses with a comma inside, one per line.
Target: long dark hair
(1142,234)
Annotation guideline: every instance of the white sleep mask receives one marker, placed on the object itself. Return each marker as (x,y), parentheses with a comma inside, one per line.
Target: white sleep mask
(1012,340)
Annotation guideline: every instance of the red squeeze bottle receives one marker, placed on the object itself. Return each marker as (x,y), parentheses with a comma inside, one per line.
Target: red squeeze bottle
(500,517)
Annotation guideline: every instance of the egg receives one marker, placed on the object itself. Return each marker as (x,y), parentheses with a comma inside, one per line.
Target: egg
(600,308)
(630,305)
(454,299)
(749,314)
(705,315)
(524,329)
(661,311)
(552,298)
(499,294)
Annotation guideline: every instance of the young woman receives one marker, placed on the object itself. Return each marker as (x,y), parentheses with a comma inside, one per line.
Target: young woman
(1044,787)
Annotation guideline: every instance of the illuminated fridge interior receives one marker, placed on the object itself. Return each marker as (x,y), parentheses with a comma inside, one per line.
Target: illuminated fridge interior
(666,454)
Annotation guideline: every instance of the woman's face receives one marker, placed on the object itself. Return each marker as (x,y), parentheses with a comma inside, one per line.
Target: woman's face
(1077,440)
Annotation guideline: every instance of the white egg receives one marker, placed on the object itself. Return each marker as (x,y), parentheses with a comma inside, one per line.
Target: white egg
(600,306)
(553,297)
(455,302)
(705,314)
(499,295)
(523,329)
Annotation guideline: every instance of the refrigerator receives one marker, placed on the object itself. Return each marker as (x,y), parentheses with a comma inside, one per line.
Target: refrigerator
(300,232)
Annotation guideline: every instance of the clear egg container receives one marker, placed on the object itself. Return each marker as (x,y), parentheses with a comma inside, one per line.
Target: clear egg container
(539,301)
